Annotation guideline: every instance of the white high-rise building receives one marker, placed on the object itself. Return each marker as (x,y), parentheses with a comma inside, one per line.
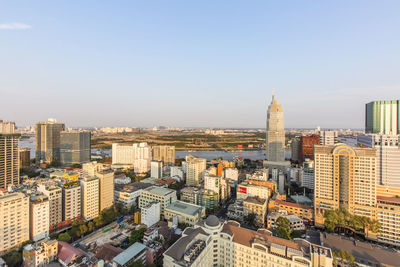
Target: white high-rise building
(39,222)
(194,170)
(387,157)
(123,155)
(328,138)
(231,173)
(54,193)
(156,169)
(90,188)
(142,157)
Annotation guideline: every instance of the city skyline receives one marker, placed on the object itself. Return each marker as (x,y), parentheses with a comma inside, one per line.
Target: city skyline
(197,64)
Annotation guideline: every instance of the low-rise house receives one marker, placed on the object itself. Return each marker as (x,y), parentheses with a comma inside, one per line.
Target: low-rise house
(295,222)
(68,255)
(40,254)
(136,252)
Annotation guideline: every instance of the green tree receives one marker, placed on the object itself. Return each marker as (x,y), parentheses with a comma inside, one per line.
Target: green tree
(76,165)
(83,229)
(250,219)
(64,237)
(283,228)
(13,258)
(90,226)
(137,235)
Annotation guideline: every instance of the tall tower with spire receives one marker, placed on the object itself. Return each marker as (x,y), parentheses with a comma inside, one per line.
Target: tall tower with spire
(275,132)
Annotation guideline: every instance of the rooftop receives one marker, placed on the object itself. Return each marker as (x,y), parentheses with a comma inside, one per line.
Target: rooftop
(255,200)
(129,253)
(161,191)
(183,207)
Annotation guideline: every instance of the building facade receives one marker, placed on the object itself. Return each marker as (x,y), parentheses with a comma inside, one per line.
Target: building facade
(328,138)
(150,213)
(307,146)
(162,195)
(194,169)
(156,170)
(383,117)
(90,188)
(106,188)
(71,200)
(166,154)
(257,206)
(9,159)
(75,147)
(48,140)
(275,137)
(39,221)
(185,212)
(54,194)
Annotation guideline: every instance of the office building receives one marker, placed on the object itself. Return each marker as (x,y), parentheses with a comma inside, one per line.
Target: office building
(216,243)
(344,177)
(75,147)
(14,223)
(328,138)
(190,195)
(106,188)
(247,189)
(257,206)
(275,132)
(194,168)
(388,157)
(296,149)
(307,146)
(162,195)
(383,117)
(218,185)
(54,194)
(48,140)
(166,154)
(185,212)
(90,188)
(24,158)
(123,154)
(150,213)
(39,221)
(71,192)
(9,155)
(156,170)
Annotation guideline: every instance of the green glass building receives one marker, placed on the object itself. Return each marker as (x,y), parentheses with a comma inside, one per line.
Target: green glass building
(383,117)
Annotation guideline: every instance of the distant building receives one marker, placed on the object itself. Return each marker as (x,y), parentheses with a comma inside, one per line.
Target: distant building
(383,117)
(304,212)
(307,179)
(328,138)
(142,157)
(150,213)
(194,170)
(123,154)
(166,154)
(39,221)
(24,158)
(14,223)
(307,146)
(156,170)
(9,157)
(48,140)
(296,149)
(90,197)
(162,195)
(75,147)
(231,173)
(187,213)
(275,132)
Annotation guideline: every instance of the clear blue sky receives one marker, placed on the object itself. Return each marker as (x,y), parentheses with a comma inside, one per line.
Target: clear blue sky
(197,63)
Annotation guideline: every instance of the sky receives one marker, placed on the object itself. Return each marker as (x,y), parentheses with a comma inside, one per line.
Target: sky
(197,63)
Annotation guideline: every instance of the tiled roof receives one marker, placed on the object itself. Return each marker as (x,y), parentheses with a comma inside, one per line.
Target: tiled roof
(107,252)
(67,253)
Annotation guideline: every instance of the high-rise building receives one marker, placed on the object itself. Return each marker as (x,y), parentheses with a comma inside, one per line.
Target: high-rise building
(106,189)
(39,222)
(122,154)
(90,197)
(328,138)
(275,132)
(383,117)
(24,158)
(307,146)
(231,173)
(91,168)
(166,154)
(388,157)
(14,223)
(9,155)
(219,243)
(257,206)
(75,147)
(156,169)
(296,149)
(344,177)
(71,200)
(54,194)
(142,158)
(48,140)
(194,170)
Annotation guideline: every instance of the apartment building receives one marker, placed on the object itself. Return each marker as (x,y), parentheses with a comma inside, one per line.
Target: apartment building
(14,223)
(106,188)
(156,169)
(190,194)
(257,206)
(150,213)
(71,192)
(9,156)
(90,188)
(304,212)
(194,168)
(54,194)
(166,154)
(40,254)
(39,219)
(216,243)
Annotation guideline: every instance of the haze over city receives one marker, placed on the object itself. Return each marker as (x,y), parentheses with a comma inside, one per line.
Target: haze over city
(196,64)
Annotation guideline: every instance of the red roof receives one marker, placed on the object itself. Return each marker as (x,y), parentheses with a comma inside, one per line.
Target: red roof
(169,181)
(67,253)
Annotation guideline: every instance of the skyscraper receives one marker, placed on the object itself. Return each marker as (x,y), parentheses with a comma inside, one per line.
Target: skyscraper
(275,132)
(9,155)
(194,168)
(74,147)
(166,154)
(383,117)
(344,177)
(48,140)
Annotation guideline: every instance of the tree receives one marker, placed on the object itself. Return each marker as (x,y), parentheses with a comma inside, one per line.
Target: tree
(250,219)
(76,165)
(13,258)
(283,228)
(64,237)
(137,236)
(90,226)
(83,229)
